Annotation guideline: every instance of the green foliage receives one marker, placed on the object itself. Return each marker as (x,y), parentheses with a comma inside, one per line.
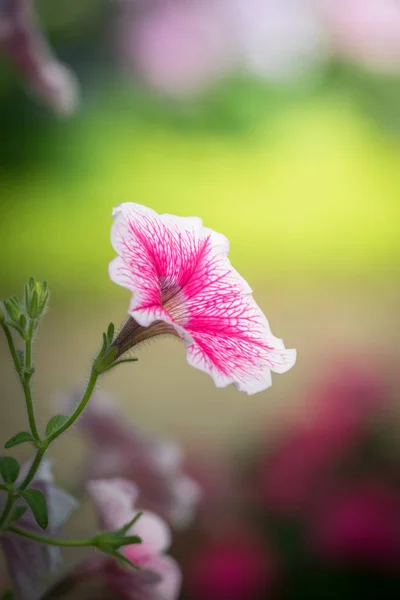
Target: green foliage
(36,501)
(17,513)
(55,423)
(9,469)
(19,438)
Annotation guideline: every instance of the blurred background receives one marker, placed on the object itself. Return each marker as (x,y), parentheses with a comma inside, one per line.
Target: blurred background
(277,122)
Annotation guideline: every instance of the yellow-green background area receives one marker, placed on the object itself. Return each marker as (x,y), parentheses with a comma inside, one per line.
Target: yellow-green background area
(305,186)
(315,191)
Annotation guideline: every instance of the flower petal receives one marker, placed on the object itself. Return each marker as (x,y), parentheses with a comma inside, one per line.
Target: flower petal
(114,500)
(179,272)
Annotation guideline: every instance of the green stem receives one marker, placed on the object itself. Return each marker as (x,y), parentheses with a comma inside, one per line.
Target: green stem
(33,469)
(30,409)
(43,445)
(28,353)
(12,349)
(26,385)
(78,410)
(50,541)
(7,509)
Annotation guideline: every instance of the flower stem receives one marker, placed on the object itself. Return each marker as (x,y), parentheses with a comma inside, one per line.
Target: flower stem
(44,444)
(50,541)
(78,410)
(33,469)
(7,509)
(25,379)
(12,349)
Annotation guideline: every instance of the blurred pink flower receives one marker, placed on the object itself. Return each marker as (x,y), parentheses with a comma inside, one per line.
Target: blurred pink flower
(183,283)
(176,47)
(360,525)
(153,463)
(366,32)
(277,40)
(159,577)
(31,564)
(233,567)
(23,41)
(292,474)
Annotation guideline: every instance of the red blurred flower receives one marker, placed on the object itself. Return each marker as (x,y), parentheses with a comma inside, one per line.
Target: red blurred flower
(232,567)
(360,525)
(290,477)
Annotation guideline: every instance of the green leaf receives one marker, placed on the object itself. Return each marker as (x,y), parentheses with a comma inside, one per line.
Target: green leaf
(19,438)
(130,524)
(55,423)
(110,333)
(9,468)
(17,513)
(37,503)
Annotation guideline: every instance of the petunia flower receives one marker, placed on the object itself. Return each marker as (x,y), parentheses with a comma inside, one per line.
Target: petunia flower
(23,41)
(183,283)
(159,577)
(155,464)
(30,564)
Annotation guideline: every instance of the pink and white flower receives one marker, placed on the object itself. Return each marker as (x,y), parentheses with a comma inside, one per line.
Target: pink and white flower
(183,283)
(159,577)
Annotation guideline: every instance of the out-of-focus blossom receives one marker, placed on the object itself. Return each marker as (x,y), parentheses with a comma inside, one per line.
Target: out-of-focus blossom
(359,524)
(176,47)
(366,32)
(183,283)
(159,577)
(23,41)
(233,567)
(153,463)
(277,40)
(180,47)
(291,474)
(31,565)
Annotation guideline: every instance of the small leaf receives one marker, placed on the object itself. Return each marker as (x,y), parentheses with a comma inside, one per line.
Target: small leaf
(55,423)
(38,505)
(9,468)
(19,438)
(17,513)
(125,528)
(110,333)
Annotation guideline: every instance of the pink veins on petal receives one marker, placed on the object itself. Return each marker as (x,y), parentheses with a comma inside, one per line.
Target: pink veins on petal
(179,272)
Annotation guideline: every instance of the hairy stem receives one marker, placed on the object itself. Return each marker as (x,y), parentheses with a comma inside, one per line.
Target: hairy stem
(12,349)
(50,541)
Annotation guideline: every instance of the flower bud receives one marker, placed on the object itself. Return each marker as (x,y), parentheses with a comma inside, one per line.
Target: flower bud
(36,298)
(13,308)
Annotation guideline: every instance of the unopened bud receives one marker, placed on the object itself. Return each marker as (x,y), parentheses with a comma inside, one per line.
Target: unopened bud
(36,298)
(13,308)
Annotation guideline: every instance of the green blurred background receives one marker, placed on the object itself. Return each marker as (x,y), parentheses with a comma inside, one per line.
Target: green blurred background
(301,173)
(303,177)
